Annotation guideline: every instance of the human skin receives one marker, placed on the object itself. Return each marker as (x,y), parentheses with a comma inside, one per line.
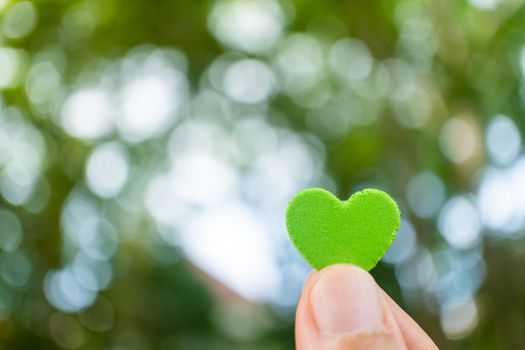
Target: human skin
(342,307)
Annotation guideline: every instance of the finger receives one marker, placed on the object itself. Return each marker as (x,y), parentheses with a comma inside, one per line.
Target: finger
(414,336)
(341,307)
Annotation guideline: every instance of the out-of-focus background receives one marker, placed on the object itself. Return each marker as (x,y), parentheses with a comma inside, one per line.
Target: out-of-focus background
(148,150)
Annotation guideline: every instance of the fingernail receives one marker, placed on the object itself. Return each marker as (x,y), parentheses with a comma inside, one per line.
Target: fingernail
(345,300)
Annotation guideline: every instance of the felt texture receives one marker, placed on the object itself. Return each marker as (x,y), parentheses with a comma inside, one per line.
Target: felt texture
(357,231)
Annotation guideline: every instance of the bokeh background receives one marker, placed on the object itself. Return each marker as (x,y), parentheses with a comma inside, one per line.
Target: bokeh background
(148,150)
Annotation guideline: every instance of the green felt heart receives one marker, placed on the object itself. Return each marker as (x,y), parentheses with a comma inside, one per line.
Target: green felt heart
(327,231)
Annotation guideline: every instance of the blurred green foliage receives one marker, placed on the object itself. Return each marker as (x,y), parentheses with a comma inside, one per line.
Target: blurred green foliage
(424,99)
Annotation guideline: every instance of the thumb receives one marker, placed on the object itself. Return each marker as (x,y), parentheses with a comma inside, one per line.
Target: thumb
(342,307)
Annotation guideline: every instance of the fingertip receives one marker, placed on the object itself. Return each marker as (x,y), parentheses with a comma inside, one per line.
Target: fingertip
(414,336)
(341,305)
(306,334)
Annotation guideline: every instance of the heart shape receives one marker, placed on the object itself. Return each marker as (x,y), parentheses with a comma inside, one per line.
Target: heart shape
(357,231)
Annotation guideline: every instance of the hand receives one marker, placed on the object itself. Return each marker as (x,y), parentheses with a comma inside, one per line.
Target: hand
(342,307)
